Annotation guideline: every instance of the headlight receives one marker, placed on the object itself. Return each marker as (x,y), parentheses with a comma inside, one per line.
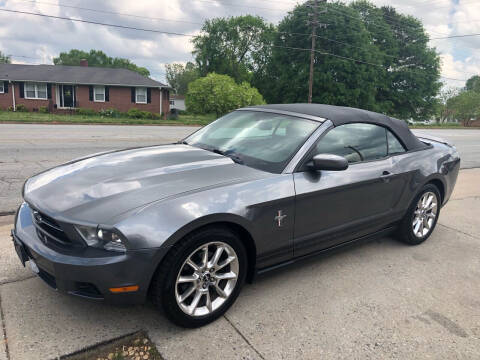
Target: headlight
(101,238)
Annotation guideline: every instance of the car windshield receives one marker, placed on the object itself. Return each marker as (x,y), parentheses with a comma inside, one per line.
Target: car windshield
(265,141)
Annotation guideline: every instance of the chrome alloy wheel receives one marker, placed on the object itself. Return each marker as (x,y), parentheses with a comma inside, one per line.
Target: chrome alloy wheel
(425,214)
(206,279)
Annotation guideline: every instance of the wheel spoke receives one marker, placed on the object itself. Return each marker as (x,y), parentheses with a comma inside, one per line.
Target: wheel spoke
(417,226)
(193,305)
(193,265)
(205,257)
(226,276)
(208,302)
(216,256)
(220,291)
(187,293)
(431,206)
(225,262)
(421,228)
(425,223)
(429,201)
(186,279)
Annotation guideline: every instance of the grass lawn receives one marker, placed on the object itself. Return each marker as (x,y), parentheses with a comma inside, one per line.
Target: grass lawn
(38,118)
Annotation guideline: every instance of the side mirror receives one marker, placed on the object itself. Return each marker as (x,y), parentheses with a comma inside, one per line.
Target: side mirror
(328,162)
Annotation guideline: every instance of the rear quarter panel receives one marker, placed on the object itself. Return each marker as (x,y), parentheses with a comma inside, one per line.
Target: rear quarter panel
(438,162)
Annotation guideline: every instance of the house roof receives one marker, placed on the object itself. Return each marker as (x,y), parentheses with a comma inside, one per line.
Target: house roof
(177,97)
(75,75)
(340,115)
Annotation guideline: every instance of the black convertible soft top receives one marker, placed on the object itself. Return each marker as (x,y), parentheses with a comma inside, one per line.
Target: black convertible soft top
(340,115)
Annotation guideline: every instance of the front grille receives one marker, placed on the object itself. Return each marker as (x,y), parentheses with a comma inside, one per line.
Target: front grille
(48,230)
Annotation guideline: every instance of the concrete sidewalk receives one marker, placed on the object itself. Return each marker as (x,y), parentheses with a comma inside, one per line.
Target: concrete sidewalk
(377,300)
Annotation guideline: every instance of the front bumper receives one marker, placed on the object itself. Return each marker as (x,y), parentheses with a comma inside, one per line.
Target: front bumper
(85,272)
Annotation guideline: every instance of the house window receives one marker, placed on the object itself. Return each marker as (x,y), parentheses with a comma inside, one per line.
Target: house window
(141,95)
(2,90)
(99,93)
(35,91)
(172,102)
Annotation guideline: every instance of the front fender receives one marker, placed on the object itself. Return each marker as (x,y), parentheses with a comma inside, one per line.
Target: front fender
(252,205)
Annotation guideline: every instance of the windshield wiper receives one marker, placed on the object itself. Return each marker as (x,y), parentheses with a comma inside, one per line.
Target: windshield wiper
(229,153)
(183,142)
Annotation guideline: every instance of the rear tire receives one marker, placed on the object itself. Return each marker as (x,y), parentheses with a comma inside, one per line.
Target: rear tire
(194,292)
(421,217)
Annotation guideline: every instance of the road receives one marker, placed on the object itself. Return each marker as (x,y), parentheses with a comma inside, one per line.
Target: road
(28,149)
(378,300)
(467,142)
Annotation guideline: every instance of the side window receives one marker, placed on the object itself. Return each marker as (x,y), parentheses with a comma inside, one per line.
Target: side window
(356,142)
(394,146)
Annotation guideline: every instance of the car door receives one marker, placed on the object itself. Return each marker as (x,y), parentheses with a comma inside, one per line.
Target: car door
(337,206)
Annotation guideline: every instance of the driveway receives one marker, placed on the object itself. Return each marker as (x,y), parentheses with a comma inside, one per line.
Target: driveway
(377,300)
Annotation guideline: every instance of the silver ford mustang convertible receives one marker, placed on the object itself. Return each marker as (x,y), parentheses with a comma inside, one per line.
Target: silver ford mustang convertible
(188,223)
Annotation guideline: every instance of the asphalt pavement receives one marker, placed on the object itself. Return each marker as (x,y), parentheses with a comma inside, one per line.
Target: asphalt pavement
(26,149)
(377,300)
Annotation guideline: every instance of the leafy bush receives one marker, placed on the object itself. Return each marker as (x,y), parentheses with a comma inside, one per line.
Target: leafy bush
(134,113)
(220,94)
(139,114)
(87,112)
(43,109)
(112,113)
(21,108)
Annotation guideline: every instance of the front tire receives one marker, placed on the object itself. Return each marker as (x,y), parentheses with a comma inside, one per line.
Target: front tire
(421,218)
(200,277)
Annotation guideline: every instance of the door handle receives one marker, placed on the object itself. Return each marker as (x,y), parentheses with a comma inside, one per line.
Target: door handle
(386,176)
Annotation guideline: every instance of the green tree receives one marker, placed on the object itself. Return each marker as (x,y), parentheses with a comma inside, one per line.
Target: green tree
(220,94)
(4,59)
(473,83)
(466,106)
(179,76)
(337,80)
(236,46)
(444,111)
(396,72)
(412,82)
(99,59)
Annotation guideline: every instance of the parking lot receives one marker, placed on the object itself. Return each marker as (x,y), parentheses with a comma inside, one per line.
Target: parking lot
(375,300)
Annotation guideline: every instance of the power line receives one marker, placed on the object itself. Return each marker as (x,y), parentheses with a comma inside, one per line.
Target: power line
(455,36)
(96,23)
(182,21)
(354,60)
(107,12)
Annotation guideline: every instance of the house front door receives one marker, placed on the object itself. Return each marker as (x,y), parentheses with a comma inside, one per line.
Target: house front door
(67,96)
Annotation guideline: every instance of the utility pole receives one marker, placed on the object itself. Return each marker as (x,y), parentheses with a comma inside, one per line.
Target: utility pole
(314,22)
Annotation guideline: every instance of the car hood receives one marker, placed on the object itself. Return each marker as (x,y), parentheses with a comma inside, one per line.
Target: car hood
(98,188)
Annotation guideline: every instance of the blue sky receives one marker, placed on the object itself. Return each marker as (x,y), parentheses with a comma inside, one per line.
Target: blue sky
(37,40)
